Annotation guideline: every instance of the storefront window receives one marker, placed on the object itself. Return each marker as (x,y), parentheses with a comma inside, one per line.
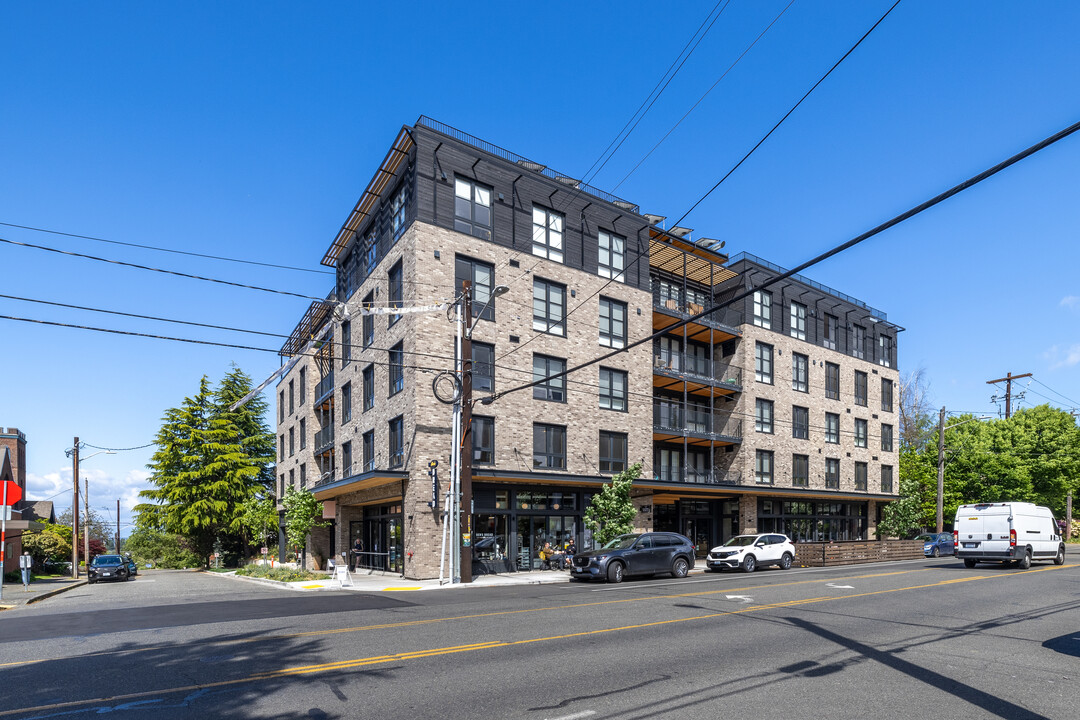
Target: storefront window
(527,500)
(489,537)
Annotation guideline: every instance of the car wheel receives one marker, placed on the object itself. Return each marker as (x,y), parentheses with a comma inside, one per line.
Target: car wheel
(785,561)
(968,562)
(615,572)
(1025,562)
(1059,559)
(935,553)
(91,581)
(680,568)
(709,569)
(749,563)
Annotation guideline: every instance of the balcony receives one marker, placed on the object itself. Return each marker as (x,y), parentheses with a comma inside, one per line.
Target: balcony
(678,305)
(699,477)
(672,417)
(324,389)
(699,368)
(324,439)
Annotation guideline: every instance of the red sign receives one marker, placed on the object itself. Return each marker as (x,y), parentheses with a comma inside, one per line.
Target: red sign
(14,493)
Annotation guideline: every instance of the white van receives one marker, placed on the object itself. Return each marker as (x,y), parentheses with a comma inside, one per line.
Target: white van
(1012,532)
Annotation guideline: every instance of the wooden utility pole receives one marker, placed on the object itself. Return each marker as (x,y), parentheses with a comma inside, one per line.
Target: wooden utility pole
(941,471)
(465,469)
(1008,389)
(86,521)
(75,513)
(118,524)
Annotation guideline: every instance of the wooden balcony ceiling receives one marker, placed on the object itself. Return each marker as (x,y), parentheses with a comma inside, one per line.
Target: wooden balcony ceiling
(694,331)
(694,442)
(306,329)
(685,259)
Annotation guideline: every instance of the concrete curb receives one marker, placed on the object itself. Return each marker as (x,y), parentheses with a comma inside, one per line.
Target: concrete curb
(57,591)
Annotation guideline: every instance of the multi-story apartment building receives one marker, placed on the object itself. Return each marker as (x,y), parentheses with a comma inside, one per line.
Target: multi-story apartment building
(587,273)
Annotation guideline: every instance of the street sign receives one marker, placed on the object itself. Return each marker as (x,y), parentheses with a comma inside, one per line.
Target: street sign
(10,493)
(264,551)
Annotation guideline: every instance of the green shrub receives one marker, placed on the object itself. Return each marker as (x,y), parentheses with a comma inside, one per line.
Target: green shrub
(282,574)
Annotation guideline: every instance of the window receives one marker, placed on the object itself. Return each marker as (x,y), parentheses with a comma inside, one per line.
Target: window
(885,350)
(800,372)
(763,309)
(303,385)
(369,388)
(886,395)
(832,331)
(281,493)
(668,465)
(303,476)
(860,388)
(346,403)
(763,467)
(800,470)
(670,353)
(397,211)
(798,320)
(369,451)
(832,381)
(800,422)
(886,438)
(549,447)
(292,442)
(763,362)
(613,452)
(346,343)
(281,448)
(886,478)
(292,398)
(369,322)
(547,234)
(860,476)
(483,440)
(396,297)
(483,366)
(346,459)
(472,208)
(481,275)
(832,428)
(292,478)
(612,258)
(858,341)
(832,473)
(397,370)
(860,433)
(763,416)
(613,389)
(549,307)
(303,433)
(281,406)
(612,323)
(551,388)
(397,442)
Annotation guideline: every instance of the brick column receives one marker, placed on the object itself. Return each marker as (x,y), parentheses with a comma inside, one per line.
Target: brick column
(747,514)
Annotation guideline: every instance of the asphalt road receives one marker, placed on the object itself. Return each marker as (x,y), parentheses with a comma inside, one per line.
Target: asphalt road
(925,639)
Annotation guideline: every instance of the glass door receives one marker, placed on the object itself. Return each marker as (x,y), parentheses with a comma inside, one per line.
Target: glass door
(699,530)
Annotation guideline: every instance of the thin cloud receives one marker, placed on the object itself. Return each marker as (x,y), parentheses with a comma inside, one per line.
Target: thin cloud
(1059,357)
(1071,301)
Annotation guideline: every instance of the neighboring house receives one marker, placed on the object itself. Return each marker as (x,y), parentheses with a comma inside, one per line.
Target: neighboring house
(587,273)
(13,468)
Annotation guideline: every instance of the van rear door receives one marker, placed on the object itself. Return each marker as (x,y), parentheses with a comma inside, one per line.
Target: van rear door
(983,531)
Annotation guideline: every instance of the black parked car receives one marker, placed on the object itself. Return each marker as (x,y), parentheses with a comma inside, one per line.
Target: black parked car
(108,567)
(635,554)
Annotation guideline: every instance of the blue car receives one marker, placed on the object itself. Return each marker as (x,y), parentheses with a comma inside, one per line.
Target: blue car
(937,544)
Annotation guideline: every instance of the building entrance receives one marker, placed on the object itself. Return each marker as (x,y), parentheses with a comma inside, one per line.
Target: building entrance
(534,531)
(382,534)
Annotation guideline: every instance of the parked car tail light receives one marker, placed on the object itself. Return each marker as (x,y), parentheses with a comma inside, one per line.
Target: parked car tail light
(1012,538)
(956,538)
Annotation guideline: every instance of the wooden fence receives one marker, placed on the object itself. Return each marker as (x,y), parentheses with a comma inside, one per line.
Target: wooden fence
(852,553)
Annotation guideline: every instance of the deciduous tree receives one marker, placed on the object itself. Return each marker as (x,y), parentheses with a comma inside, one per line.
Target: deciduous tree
(611,511)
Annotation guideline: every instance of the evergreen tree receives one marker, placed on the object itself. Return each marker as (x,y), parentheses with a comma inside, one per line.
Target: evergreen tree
(611,512)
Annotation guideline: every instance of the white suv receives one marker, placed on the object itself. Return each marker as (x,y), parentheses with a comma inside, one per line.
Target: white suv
(751,551)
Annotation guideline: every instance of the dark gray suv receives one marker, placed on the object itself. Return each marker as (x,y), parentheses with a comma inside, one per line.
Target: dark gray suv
(635,554)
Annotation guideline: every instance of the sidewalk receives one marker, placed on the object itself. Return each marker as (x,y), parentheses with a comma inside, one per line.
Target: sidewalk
(40,588)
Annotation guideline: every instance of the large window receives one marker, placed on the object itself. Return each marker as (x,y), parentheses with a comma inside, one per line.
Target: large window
(832,473)
(369,388)
(860,388)
(886,395)
(396,297)
(668,465)
(613,452)
(397,211)
(483,367)
(800,422)
(763,309)
(763,467)
(885,350)
(549,447)
(346,343)
(346,459)
(369,451)
(886,438)
(886,478)
(397,442)
(547,233)
(798,320)
(292,398)
(800,470)
(832,331)
(612,258)
(612,323)
(303,385)
(549,307)
(346,403)
(303,433)
(397,368)
(292,441)
(550,388)
(763,355)
(832,428)
(860,476)
(763,416)
(612,389)
(303,476)
(860,433)
(481,275)
(281,406)
(483,440)
(472,208)
(858,341)
(800,372)
(368,329)
(832,381)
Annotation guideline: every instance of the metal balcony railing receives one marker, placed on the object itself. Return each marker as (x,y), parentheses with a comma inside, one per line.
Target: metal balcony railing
(699,477)
(324,389)
(324,439)
(686,418)
(727,318)
(697,367)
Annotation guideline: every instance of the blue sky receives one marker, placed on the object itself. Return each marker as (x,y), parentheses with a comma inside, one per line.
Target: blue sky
(250,129)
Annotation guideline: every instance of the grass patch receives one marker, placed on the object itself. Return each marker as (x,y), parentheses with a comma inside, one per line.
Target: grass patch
(279,573)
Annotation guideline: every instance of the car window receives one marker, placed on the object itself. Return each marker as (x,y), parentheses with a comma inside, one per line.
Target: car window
(645,541)
(779,539)
(622,542)
(741,541)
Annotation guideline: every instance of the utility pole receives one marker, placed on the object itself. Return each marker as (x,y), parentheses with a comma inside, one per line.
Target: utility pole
(941,471)
(75,513)
(1068,516)
(86,521)
(118,525)
(466,453)
(1009,377)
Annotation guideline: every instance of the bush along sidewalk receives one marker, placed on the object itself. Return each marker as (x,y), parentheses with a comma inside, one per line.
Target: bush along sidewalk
(281,574)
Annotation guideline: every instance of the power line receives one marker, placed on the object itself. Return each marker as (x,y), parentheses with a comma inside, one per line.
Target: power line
(1073,402)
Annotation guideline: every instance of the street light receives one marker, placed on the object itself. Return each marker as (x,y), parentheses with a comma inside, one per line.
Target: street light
(495,292)
(941,463)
